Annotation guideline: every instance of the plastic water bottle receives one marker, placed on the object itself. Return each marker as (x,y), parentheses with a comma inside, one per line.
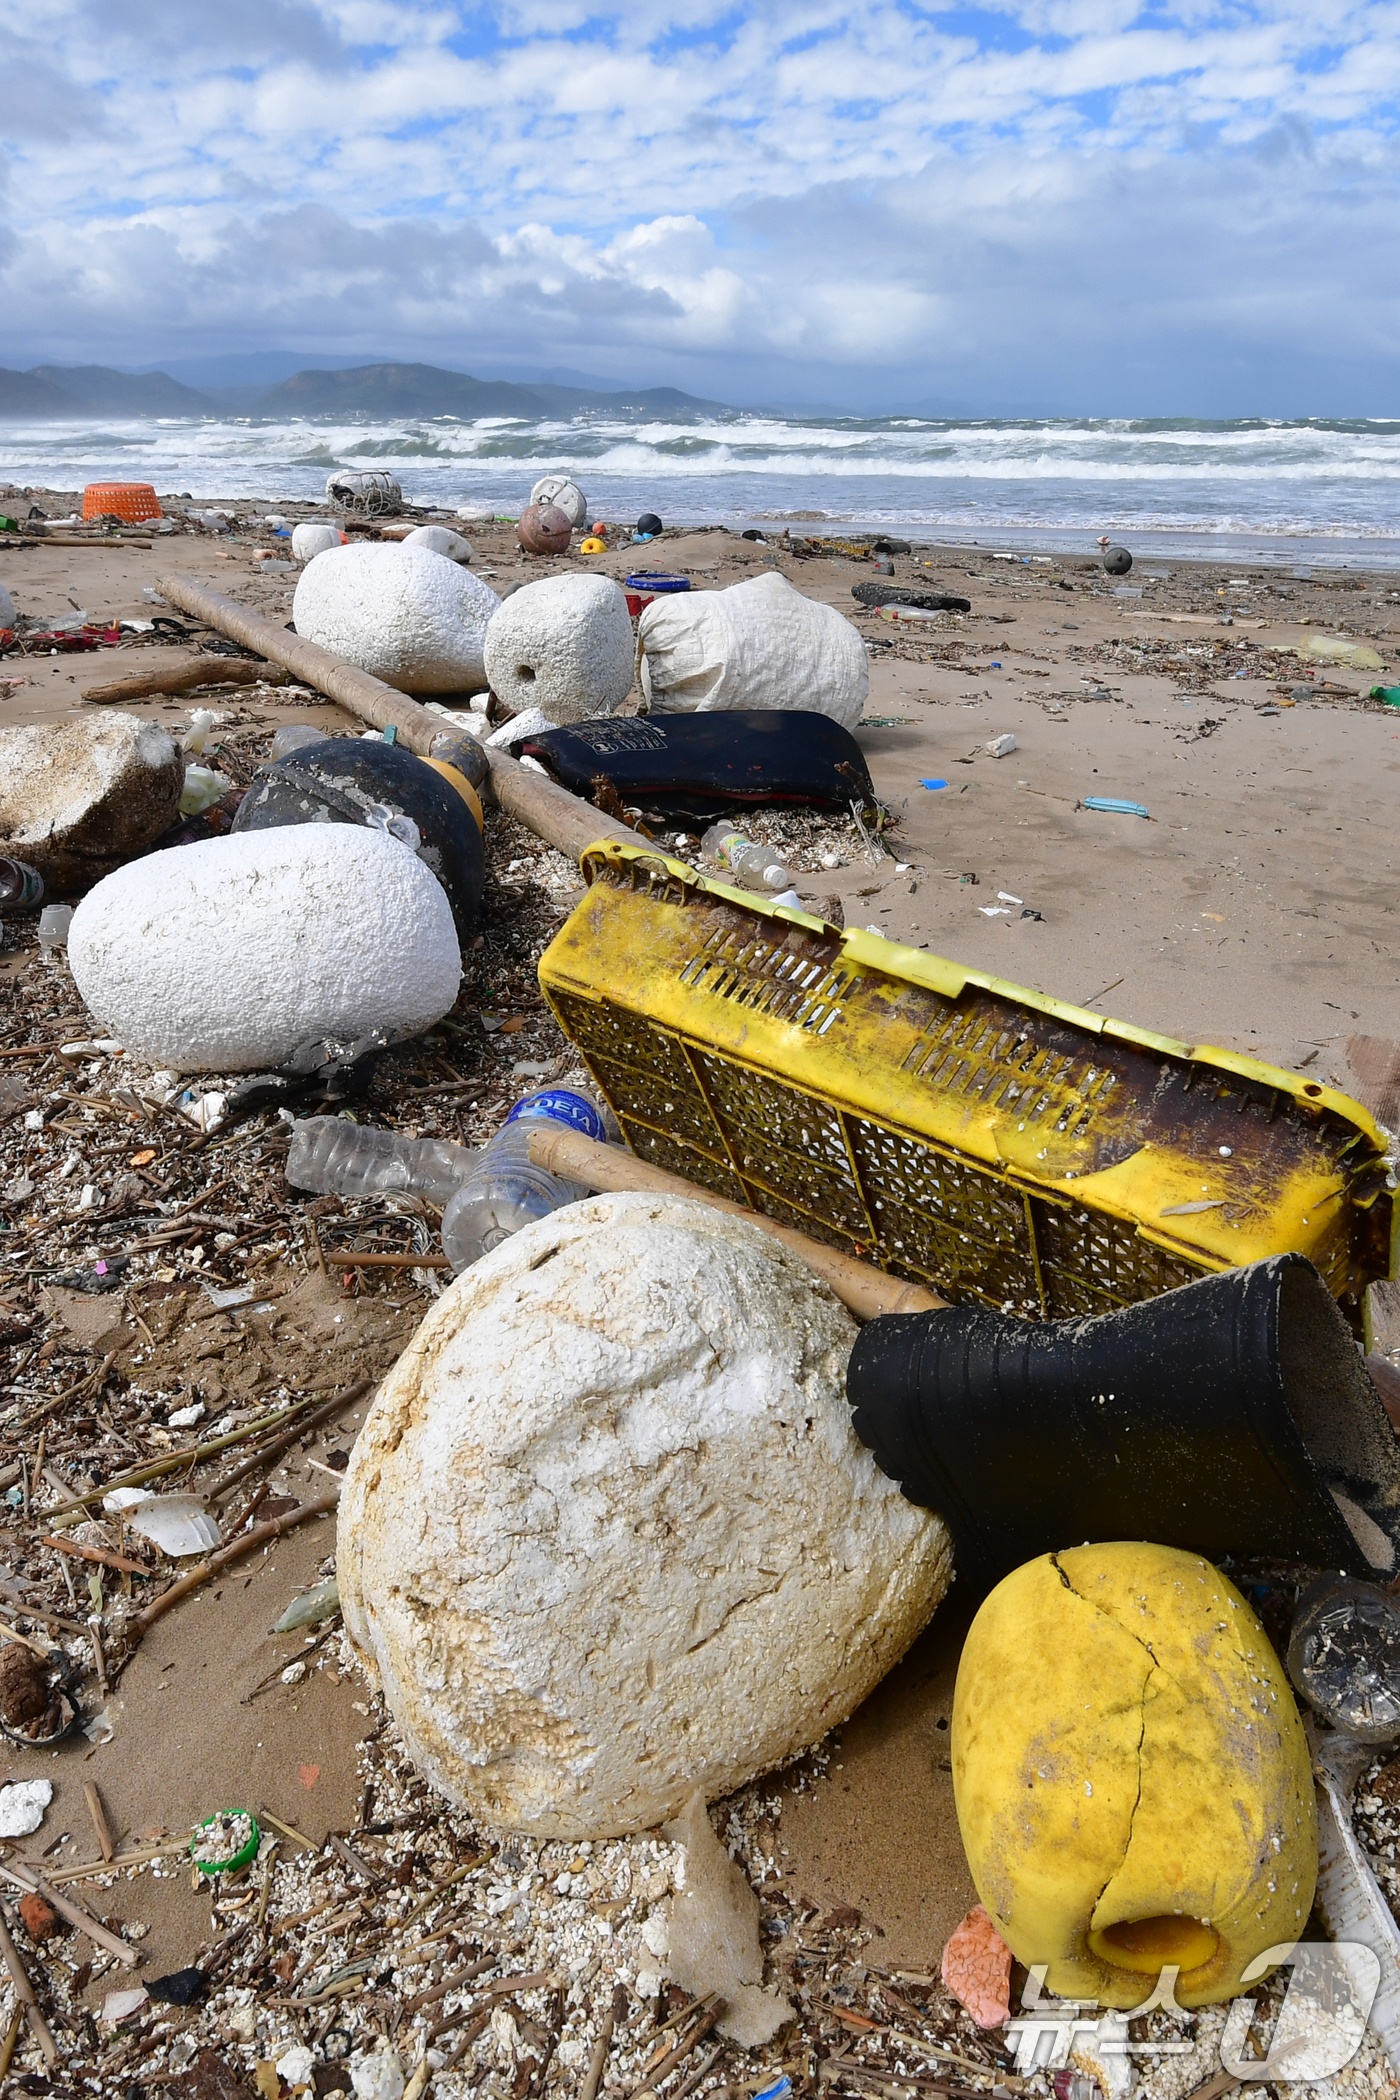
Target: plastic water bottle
(1344,1656)
(505,1189)
(336,1157)
(21,887)
(756,867)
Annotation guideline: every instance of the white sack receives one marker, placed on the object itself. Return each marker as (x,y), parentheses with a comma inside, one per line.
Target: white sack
(757,644)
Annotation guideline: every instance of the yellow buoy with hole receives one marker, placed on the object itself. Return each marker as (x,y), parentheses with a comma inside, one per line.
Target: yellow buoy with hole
(592,546)
(1132,1780)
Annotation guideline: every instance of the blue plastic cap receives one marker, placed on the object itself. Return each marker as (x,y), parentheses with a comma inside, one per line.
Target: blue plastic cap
(562,1107)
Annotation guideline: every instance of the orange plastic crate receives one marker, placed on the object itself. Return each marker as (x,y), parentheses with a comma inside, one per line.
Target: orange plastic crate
(132,501)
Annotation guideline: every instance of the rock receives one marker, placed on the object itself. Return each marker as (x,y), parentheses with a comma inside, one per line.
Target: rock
(563,645)
(22,1806)
(79,798)
(229,955)
(544,530)
(608,1537)
(565,494)
(311,538)
(40,1918)
(402,613)
(440,539)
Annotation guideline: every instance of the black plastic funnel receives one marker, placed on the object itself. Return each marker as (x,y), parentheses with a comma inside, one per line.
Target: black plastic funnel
(1233,1416)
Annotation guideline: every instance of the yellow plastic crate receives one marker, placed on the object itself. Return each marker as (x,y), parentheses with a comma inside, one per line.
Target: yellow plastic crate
(1003,1147)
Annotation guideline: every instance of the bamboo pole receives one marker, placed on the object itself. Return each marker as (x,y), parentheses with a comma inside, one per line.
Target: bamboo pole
(865,1290)
(554,815)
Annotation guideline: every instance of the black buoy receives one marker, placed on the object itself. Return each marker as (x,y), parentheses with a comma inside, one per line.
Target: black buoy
(1117,561)
(649,522)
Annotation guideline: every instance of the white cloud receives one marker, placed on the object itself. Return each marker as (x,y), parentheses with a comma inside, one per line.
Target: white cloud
(1060,189)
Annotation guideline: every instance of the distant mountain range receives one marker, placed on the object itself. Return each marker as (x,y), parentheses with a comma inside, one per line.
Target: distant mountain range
(383,391)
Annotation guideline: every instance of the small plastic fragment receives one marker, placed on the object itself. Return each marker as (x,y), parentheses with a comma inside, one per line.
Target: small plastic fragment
(310,1608)
(976,1968)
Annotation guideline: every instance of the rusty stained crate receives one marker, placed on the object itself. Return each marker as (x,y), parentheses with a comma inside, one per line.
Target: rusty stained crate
(1006,1148)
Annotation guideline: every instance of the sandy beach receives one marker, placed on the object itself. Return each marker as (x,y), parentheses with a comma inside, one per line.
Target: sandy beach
(1254,908)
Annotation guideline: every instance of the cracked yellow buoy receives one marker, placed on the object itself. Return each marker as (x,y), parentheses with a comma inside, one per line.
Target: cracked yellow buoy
(1131,1775)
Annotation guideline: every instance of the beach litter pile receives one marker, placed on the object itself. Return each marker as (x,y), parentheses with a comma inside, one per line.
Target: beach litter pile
(518,1316)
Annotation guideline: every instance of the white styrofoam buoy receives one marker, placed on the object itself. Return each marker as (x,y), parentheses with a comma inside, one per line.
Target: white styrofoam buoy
(313,536)
(563,645)
(229,955)
(565,494)
(439,539)
(608,1535)
(403,613)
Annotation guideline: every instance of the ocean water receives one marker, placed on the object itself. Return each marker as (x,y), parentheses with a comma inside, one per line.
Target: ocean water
(1267,490)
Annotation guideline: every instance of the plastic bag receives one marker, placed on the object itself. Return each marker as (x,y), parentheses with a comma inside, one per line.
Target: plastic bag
(759,644)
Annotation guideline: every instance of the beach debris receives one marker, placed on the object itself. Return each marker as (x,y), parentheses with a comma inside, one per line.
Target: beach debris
(1175,1823)
(1001,747)
(77,798)
(429,805)
(39,1916)
(132,502)
(1344,1656)
(976,1968)
(910,595)
(377,2073)
(1116,560)
(753,866)
(502,1189)
(184,678)
(8,615)
(364,493)
(1350,1900)
(1334,649)
(204,786)
(23,1802)
(757,644)
(714,1950)
(231,955)
(313,537)
(598,1358)
(402,613)
(648,526)
(225,1841)
(565,494)
(322,1601)
(177,1524)
(440,539)
(1110,805)
(543,529)
(180,1987)
(121,2004)
(1388,695)
(21,887)
(696,766)
(563,645)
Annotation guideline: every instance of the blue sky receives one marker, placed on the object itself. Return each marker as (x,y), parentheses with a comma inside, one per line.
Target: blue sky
(1078,204)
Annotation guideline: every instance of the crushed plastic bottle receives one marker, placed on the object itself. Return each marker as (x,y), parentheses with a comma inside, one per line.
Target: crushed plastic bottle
(336,1157)
(505,1189)
(756,867)
(294,736)
(1344,1656)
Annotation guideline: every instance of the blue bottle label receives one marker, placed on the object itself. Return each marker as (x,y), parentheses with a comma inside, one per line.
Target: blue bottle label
(563,1107)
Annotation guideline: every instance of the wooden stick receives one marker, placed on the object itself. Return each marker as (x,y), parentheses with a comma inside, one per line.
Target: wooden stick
(182,678)
(16,2022)
(287,1830)
(698,2032)
(35,1885)
(355,1260)
(24,1991)
(103,1554)
(260,1535)
(548,810)
(99,1818)
(73,1512)
(142,1858)
(278,1444)
(598,2062)
(867,1291)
